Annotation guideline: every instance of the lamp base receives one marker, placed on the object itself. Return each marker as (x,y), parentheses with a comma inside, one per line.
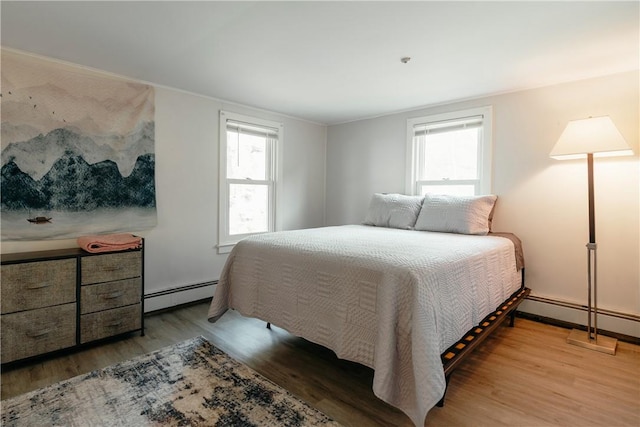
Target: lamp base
(601,343)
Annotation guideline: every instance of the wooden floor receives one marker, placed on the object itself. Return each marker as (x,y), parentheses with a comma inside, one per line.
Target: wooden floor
(522,376)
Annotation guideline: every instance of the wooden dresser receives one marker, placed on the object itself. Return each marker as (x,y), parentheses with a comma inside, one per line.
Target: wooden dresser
(61,299)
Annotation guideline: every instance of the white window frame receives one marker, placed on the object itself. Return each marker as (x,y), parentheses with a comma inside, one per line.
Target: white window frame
(484,155)
(225,240)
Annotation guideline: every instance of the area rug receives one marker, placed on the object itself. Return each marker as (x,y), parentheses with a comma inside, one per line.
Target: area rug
(189,384)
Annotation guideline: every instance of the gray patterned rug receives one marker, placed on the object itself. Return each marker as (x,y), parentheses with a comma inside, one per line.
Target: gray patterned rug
(189,384)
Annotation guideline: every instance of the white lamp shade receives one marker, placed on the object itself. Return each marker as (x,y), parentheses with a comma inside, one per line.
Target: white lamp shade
(595,135)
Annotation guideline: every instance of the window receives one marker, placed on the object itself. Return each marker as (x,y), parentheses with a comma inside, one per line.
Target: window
(248,177)
(450,153)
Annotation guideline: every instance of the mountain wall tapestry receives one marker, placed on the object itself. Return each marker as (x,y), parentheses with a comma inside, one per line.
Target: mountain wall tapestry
(78,151)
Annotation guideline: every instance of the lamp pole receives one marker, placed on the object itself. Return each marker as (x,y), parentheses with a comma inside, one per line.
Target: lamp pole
(592,276)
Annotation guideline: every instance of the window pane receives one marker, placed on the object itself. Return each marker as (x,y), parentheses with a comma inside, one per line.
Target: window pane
(450,155)
(248,208)
(246,156)
(454,190)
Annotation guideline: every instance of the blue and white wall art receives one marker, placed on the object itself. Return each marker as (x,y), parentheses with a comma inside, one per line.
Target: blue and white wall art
(77,151)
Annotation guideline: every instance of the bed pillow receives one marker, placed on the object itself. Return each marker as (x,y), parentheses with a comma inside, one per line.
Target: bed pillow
(393,210)
(456,214)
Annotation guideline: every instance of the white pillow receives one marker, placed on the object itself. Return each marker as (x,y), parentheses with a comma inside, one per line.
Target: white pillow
(456,214)
(393,210)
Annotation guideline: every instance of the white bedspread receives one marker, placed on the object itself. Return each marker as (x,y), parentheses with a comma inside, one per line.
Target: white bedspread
(390,299)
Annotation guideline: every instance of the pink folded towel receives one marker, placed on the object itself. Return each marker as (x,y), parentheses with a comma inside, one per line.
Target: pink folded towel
(109,242)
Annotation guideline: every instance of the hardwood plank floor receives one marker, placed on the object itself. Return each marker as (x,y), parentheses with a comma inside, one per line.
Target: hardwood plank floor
(522,376)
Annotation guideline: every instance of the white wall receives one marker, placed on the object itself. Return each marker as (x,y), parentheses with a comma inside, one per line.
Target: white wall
(543,201)
(181,250)
(540,199)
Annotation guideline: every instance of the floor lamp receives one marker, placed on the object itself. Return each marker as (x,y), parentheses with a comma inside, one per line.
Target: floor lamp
(589,138)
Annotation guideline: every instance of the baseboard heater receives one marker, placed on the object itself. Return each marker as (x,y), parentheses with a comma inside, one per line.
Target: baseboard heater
(560,303)
(601,311)
(179,289)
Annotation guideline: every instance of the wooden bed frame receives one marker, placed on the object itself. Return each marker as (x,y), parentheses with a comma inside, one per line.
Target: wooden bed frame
(458,352)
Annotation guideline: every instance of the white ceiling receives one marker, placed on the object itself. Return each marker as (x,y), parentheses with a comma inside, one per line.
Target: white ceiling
(332,62)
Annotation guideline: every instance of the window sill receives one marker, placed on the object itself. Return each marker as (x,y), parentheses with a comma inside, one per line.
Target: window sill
(225,248)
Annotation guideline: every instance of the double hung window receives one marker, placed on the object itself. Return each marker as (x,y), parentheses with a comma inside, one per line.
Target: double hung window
(450,153)
(248,177)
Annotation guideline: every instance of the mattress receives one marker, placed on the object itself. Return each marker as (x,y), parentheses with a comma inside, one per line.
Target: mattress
(389,299)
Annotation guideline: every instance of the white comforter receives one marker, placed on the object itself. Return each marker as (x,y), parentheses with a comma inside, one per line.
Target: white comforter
(390,299)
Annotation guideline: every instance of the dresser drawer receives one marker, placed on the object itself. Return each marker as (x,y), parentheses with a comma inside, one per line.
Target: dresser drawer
(109,267)
(34,332)
(30,285)
(104,324)
(109,295)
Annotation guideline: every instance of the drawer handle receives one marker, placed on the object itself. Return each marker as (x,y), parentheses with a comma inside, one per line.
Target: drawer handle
(39,286)
(113,268)
(115,324)
(113,295)
(38,334)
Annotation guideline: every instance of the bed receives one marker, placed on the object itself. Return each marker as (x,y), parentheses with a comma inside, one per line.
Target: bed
(399,300)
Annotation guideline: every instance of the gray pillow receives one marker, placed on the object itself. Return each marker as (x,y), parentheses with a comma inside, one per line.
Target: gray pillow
(456,214)
(393,210)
